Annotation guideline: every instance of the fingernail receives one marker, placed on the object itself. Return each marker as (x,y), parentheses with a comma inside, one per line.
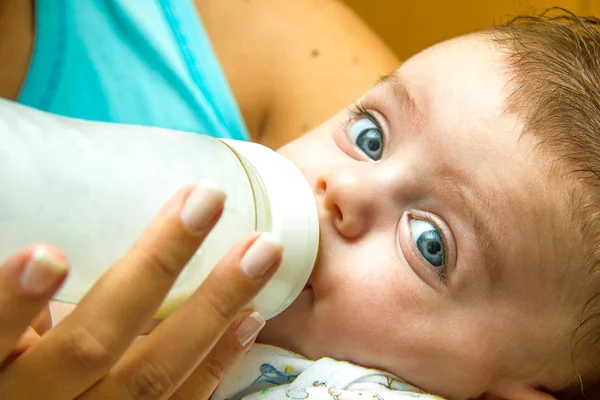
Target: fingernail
(202,206)
(42,271)
(249,328)
(261,256)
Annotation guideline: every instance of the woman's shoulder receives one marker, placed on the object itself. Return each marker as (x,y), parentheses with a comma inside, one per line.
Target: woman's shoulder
(292,64)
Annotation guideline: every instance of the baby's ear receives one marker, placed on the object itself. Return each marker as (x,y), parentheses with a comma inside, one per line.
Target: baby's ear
(517,392)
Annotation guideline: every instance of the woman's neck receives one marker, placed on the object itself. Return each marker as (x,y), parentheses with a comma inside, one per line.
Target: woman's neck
(17,34)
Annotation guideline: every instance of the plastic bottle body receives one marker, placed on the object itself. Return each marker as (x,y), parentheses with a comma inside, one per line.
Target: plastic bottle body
(91,189)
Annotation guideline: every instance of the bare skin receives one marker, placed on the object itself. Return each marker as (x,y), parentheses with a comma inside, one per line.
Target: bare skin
(90,354)
(286,81)
(432,149)
(298,77)
(16,45)
(305,65)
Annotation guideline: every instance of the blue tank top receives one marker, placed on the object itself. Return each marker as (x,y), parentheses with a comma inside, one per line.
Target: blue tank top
(144,62)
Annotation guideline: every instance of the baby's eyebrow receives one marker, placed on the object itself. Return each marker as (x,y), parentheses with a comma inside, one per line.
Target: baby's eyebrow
(477,209)
(488,238)
(393,83)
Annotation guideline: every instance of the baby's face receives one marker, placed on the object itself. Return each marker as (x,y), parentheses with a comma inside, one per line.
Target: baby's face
(440,260)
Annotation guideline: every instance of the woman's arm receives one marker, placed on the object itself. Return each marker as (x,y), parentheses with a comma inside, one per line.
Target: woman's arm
(16,45)
(292,64)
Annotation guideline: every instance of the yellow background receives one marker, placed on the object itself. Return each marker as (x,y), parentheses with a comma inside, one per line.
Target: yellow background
(411,25)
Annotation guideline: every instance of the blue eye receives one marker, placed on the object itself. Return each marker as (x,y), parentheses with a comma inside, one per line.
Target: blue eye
(429,242)
(368,138)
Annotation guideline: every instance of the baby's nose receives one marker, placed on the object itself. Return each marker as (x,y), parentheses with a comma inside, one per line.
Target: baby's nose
(349,202)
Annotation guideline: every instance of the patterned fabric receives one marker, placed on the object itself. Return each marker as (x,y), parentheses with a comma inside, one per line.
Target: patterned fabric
(271,373)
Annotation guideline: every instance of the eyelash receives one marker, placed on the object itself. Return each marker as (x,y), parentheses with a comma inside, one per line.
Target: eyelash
(357,111)
(443,276)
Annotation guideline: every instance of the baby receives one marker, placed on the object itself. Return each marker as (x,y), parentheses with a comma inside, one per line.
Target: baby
(460,223)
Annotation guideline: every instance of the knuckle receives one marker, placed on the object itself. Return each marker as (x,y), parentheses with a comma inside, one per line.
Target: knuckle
(222,306)
(161,261)
(150,382)
(85,352)
(215,370)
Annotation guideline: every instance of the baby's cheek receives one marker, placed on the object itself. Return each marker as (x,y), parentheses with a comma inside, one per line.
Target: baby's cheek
(363,309)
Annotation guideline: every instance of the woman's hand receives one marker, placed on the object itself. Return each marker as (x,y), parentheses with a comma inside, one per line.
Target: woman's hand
(90,353)
(27,280)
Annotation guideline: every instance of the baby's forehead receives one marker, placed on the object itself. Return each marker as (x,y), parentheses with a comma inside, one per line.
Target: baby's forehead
(461,88)
(476,45)
(459,91)
(464,79)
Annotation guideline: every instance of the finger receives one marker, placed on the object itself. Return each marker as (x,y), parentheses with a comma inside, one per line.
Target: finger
(227,352)
(43,321)
(150,325)
(27,339)
(77,352)
(27,281)
(160,364)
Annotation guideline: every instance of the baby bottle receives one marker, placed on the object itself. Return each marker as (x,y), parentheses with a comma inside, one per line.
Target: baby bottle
(91,188)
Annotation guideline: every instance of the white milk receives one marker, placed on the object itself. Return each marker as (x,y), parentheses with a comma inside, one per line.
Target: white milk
(91,188)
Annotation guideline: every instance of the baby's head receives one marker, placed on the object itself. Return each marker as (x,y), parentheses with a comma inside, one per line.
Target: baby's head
(459,204)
